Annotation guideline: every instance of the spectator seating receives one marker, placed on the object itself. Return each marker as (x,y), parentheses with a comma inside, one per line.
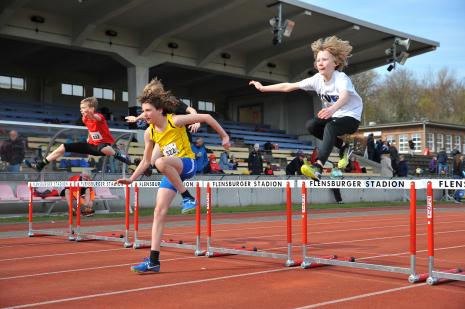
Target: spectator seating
(47,113)
(250,134)
(7,195)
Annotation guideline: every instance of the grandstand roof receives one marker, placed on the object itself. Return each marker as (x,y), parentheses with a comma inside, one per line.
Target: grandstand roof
(202,30)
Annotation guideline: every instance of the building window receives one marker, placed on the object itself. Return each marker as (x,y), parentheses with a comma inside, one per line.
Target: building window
(124,96)
(403,144)
(440,142)
(9,82)
(206,106)
(448,143)
(188,102)
(416,138)
(75,90)
(390,139)
(104,93)
(430,141)
(458,142)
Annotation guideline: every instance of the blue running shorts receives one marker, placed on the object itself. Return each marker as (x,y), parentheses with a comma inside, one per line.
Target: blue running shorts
(188,171)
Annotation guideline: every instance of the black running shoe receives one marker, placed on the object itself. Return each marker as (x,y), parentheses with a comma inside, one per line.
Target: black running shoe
(123,158)
(38,166)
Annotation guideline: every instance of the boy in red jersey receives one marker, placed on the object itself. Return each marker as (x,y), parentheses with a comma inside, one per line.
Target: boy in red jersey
(99,141)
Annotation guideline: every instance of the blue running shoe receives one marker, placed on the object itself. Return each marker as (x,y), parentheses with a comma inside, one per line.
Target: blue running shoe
(188,205)
(145,266)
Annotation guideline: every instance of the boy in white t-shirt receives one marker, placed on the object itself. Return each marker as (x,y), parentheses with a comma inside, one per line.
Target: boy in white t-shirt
(342,106)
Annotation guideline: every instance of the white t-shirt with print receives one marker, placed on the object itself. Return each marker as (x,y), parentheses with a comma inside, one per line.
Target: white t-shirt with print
(329,93)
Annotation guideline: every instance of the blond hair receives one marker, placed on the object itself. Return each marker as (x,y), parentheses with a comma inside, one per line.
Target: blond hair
(338,48)
(91,102)
(155,94)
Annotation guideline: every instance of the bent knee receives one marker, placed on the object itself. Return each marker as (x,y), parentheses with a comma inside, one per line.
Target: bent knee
(160,163)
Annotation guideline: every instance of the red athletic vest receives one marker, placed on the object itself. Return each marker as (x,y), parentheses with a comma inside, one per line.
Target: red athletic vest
(98,131)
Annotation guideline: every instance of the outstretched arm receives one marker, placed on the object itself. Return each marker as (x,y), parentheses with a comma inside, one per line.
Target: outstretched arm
(183,120)
(281,87)
(131,119)
(144,163)
(195,126)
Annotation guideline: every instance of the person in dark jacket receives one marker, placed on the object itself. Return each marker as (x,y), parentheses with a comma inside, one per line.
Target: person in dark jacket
(12,151)
(294,166)
(443,165)
(402,168)
(371,147)
(255,161)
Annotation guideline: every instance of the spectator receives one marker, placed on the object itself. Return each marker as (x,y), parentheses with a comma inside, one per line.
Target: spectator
(411,145)
(255,161)
(458,169)
(371,147)
(433,165)
(443,166)
(353,166)
(224,162)
(201,157)
(214,166)
(386,168)
(12,151)
(378,151)
(267,149)
(402,170)
(394,157)
(268,169)
(294,166)
(233,161)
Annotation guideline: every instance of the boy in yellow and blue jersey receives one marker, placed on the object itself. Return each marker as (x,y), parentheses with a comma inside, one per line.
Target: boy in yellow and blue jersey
(167,147)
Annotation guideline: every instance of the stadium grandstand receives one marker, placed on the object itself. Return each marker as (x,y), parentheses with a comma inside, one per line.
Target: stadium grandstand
(55,53)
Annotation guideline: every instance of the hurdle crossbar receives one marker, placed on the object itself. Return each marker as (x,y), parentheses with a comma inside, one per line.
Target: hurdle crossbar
(218,251)
(308,261)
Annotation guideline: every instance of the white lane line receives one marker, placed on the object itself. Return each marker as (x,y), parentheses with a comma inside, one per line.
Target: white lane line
(269,226)
(59,254)
(85,269)
(341,300)
(153,287)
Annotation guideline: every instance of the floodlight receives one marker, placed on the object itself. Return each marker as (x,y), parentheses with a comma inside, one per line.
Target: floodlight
(280,28)
(405,43)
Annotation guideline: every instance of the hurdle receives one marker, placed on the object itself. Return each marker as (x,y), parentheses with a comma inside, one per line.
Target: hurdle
(312,261)
(269,184)
(76,233)
(434,276)
(80,236)
(49,232)
(139,243)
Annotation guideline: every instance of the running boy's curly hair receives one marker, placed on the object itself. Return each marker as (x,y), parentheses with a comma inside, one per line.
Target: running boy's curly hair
(338,48)
(91,102)
(155,94)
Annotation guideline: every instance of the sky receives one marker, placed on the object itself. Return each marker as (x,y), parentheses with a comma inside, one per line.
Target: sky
(441,21)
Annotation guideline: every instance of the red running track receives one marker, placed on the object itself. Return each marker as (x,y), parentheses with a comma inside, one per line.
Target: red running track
(53,272)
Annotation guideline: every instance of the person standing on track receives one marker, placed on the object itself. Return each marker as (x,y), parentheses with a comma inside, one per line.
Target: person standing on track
(168,148)
(342,108)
